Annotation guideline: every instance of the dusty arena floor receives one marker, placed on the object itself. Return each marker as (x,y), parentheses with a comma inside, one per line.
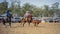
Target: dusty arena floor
(43,28)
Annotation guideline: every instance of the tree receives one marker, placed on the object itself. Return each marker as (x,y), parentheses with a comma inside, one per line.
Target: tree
(15,7)
(3,6)
(55,5)
(37,12)
(26,7)
(55,8)
(46,10)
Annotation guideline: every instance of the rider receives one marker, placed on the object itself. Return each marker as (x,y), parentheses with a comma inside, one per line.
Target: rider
(27,14)
(8,15)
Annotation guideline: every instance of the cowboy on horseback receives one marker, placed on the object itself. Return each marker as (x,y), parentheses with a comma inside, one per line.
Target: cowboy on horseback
(7,18)
(27,18)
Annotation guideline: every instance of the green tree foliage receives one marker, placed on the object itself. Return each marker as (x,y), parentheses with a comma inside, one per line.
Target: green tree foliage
(3,7)
(55,8)
(46,11)
(26,7)
(15,8)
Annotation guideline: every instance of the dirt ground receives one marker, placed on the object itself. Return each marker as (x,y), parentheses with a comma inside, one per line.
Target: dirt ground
(43,28)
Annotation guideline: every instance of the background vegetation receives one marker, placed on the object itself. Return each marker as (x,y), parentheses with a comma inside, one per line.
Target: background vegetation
(45,11)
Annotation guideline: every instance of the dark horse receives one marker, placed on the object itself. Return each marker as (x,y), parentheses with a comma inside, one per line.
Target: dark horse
(28,20)
(7,20)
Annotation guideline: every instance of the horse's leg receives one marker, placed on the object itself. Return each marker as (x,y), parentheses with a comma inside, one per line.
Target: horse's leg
(23,24)
(10,22)
(4,23)
(35,24)
(29,24)
(20,22)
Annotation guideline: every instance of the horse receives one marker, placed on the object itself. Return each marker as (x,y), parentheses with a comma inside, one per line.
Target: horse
(28,20)
(35,22)
(5,20)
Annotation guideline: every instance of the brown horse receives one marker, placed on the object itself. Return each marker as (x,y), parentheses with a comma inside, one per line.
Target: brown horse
(28,20)
(35,22)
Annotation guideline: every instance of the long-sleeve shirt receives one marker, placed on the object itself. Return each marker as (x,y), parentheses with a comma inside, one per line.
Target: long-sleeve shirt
(26,14)
(7,13)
